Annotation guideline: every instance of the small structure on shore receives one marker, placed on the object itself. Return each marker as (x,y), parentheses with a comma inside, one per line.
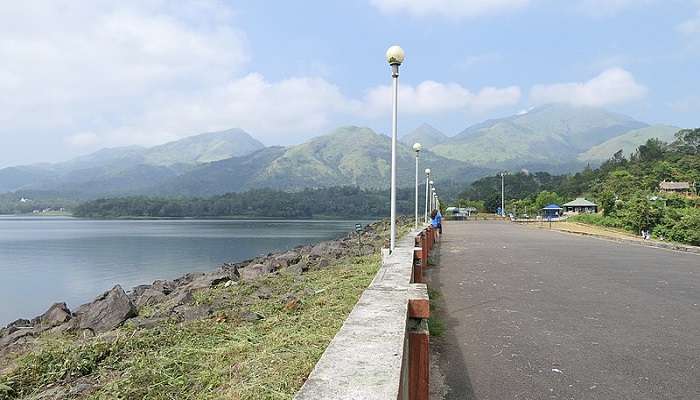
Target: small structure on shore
(675,187)
(552,211)
(580,206)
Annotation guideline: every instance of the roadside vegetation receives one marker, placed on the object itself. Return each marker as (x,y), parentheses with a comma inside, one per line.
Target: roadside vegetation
(225,356)
(260,340)
(625,188)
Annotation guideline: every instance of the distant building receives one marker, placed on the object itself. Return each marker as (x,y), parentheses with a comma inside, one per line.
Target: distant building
(675,187)
(552,211)
(580,206)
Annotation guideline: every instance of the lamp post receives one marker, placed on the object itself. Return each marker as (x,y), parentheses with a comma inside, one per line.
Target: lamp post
(503,200)
(432,205)
(417,148)
(432,189)
(427,191)
(394,56)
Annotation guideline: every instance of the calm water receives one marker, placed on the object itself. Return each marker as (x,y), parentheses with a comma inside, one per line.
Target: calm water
(45,260)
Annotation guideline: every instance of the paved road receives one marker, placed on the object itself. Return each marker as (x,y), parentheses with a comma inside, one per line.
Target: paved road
(536,314)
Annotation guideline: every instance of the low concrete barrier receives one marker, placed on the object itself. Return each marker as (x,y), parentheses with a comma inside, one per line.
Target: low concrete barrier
(382,350)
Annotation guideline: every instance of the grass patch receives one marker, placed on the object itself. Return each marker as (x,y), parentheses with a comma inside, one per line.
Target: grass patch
(436,326)
(220,357)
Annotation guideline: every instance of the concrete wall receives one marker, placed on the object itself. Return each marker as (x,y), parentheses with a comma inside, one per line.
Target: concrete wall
(382,349)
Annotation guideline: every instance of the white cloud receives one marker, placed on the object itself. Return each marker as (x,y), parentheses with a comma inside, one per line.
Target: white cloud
(430,97)
(86,139)
(607,8)
(612,86)
(690,27)
(89,66)
(280,112)
(448,8)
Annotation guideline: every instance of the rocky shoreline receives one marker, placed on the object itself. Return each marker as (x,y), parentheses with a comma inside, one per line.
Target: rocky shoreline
(145,306)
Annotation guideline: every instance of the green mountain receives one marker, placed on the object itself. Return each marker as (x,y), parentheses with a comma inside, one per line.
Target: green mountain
(628,142)
(551,135)
(348,156)
(426,135)
(129,169)
(203,148)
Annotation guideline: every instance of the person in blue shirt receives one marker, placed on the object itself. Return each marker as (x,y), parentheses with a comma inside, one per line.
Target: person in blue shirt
(436,220)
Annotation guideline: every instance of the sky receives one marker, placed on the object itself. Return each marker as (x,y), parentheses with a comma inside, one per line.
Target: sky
(76,76)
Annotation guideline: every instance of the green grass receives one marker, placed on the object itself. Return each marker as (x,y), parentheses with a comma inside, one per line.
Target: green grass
(436,325)
(220,357)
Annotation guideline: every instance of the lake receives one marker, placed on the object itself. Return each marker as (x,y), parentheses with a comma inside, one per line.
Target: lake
(55,259)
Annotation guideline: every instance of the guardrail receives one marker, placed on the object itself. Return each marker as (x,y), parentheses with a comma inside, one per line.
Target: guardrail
(382,350)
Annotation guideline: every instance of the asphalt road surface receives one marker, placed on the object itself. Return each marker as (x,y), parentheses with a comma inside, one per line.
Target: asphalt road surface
(538,314)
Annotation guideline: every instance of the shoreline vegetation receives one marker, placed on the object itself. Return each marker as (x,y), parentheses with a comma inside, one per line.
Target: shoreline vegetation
(625,188)
(249,330)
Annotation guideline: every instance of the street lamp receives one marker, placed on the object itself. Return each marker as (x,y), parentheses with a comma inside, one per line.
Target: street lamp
(427,190)
(503,200)
(432,205)
(394,56)
(432,189)
(417,148)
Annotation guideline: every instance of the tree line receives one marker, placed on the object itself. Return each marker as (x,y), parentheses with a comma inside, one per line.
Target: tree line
(340,202)
(626,190)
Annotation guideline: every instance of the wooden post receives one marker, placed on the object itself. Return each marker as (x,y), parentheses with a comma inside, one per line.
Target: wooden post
(418,343)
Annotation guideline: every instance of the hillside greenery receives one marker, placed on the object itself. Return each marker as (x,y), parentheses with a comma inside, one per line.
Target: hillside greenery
(626,190)
(340,202)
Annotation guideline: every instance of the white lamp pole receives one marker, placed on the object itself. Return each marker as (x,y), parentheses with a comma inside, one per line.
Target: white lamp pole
(417,148)
(427,189)
(503,200)
(395,56)
(431,198)
(432,205)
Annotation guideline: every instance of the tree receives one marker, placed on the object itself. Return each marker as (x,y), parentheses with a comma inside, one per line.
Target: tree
(688,141)
(607,201)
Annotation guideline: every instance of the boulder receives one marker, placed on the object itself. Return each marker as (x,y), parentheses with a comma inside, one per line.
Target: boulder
(255,271)
(298,268)
(107,312)
(150,297)
(16,325)
(192,313)
(211,279)
(163,286)
(17,335)
(56,315)
(327,249)
(323,263)
(182,296)
(251,316)
(291,257)
(263,293)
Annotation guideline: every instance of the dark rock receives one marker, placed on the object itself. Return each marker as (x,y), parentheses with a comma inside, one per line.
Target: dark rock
(251,316)
(150,297)
(56,315)
(21,334)
(291,257)
(107,312)
(298,268)
(137,291)
(255,271)
(323,263)
(15,325)
(327,249)
(211,279)
(166,287)
(184,280)
(192,313)
(263,293)
(183,296)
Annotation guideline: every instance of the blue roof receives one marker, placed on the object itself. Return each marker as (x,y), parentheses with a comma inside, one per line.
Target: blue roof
(552,207)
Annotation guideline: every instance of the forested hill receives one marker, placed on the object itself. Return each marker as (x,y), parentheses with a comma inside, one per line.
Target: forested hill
(339,202)
(626,189)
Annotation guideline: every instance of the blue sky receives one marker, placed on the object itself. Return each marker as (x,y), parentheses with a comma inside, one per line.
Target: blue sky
(80,75)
